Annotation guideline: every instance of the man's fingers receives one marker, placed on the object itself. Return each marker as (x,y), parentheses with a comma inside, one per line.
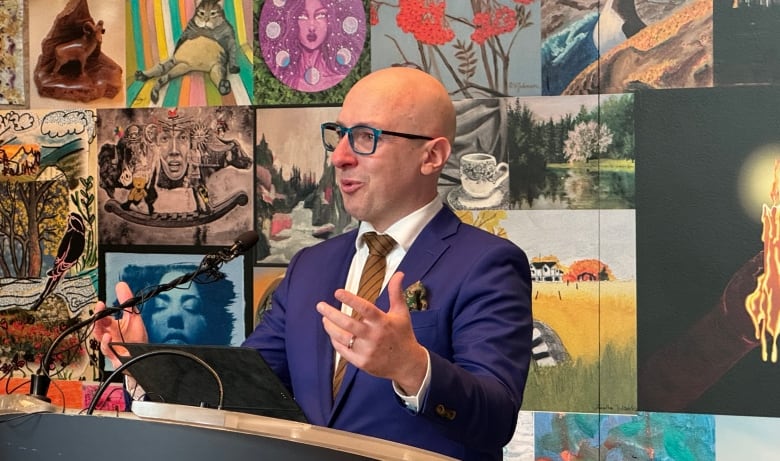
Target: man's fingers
(396,292)
(107,351)
(334,316)
(123,292)
(339,326)
(366,310)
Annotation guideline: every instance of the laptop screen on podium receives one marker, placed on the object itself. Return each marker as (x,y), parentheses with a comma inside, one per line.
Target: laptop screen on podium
(249,384)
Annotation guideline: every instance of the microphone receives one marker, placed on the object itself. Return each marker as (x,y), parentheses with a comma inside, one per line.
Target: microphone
(243,243)
(39,382)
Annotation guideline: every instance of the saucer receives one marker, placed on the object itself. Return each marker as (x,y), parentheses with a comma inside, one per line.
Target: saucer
(458,199)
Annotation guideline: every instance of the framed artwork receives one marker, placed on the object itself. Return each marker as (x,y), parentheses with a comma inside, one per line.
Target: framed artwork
(566,152)
(189,53)
(265,280)
(213,308)
(584,297)
(91,72)
(584,45)
(13,24)
(477,49)
(47,179)
(47,194)
(705,343)
(571,152)
(744,42)
(311,45)
(298,203)
(581,435)
(309,51)
(188,169)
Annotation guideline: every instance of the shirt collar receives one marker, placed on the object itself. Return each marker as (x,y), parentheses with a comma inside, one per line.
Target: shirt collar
(405,230)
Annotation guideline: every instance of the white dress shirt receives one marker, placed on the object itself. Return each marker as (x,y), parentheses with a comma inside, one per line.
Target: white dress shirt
(404,232)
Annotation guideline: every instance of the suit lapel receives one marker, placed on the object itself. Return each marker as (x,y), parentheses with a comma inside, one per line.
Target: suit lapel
(331,281)
(428,247)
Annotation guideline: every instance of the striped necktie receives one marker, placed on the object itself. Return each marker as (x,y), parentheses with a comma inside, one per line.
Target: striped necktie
(370,284)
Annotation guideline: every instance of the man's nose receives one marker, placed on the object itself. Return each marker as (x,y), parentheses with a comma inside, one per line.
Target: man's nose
(343,156)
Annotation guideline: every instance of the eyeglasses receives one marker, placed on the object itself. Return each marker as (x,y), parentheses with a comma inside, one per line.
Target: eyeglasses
(362,138)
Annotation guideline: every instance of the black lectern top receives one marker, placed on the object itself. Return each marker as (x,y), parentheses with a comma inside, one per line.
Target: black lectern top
(249,384)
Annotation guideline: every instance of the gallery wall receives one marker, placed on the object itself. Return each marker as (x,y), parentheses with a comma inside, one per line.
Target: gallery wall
(636,145)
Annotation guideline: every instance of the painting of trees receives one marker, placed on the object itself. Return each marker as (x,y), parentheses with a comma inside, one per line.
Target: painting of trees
(588,270)
(32,216)
(587,140)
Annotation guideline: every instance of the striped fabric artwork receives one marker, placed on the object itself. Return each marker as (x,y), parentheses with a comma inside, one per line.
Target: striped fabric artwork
(154,27)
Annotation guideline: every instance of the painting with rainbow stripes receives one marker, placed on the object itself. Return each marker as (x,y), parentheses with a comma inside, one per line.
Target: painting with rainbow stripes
(189,53)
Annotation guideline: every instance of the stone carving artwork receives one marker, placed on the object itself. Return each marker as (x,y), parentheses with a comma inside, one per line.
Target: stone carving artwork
(71,65)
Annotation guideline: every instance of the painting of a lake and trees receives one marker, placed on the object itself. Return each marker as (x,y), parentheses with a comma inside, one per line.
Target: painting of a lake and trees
(571,152)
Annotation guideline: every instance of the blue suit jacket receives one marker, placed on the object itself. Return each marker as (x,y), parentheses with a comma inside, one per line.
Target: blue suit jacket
(477,330)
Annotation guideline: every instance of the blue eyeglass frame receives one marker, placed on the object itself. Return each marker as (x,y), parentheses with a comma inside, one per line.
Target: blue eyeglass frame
(342,130)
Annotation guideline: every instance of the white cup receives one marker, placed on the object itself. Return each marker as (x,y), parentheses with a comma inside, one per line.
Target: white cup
(480,175)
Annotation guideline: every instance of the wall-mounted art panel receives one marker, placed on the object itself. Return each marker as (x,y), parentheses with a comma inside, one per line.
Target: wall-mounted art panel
(309,51)
(209,309)
(477,49)
(744,437)
(620,46)
(707,207)
(13,22)
(178,176)
(264,282)
(77,54)
(568,152)
(746,42)
(189,53)
(48,237)
(298,201)
(565,436)
(583,267)
(521,447)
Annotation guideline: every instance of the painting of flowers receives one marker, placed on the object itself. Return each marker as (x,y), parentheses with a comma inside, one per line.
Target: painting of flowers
(480,48)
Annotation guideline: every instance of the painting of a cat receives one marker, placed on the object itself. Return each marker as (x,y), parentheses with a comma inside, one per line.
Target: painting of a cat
(207,44)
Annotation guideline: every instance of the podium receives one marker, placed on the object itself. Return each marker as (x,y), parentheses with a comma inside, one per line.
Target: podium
(159,431)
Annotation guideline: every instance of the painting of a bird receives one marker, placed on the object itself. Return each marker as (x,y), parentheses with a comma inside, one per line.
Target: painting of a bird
(70,249)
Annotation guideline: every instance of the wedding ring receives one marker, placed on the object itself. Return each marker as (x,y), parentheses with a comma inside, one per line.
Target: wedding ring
(351,342)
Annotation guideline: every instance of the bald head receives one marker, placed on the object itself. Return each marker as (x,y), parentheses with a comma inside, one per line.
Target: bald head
(418,102)
(416,113)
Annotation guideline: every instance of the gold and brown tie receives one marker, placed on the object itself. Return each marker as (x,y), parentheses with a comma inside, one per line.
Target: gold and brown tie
(370,284)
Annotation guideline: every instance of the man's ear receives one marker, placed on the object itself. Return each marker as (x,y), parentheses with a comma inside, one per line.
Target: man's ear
(437,153)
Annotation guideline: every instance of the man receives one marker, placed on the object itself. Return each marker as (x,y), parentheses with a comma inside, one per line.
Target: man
(445,373)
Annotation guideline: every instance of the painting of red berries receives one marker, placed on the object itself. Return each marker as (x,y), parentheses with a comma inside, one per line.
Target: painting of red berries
(478,49)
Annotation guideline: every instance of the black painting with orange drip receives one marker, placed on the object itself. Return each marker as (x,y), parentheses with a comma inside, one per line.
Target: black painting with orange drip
(763,304)
(707,310)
